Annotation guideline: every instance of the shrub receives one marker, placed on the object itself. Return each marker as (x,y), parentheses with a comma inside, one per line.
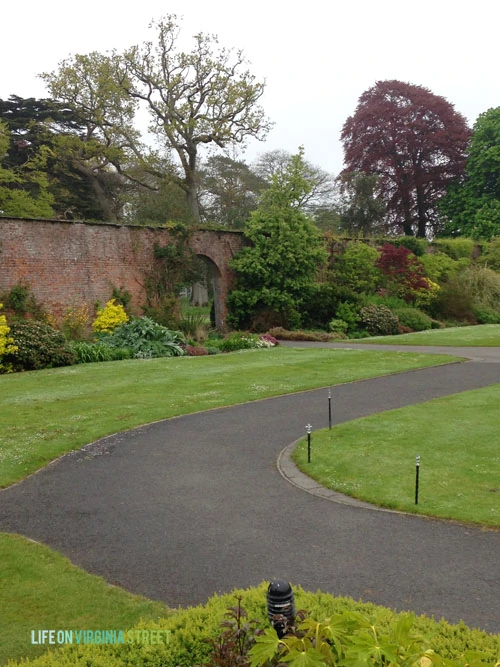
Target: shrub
(403,271)
(349,313)
(21,302)
(485,315)
(88,353)
(474,286)
(412,243)
(413,318)
(379,320)
(322,301)
(190,631)
(76,322)
(320,336)
(246,341)
(491,256)
(455,248)
(440,267)
(356,268)
(110,317)
(145,338)
(194,325)
(38,346)
(6,342)
(383,299)
(196,351)
(425,297)
(338,326)
(166,312)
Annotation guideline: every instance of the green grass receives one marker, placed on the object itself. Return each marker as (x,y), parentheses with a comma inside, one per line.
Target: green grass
(486,335)
(47,413)
(457,438)
(187,309)
(44,414)
(39,588)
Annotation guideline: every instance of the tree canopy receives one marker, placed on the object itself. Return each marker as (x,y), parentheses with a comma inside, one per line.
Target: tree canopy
(415,142)
(205,96)
(472,206)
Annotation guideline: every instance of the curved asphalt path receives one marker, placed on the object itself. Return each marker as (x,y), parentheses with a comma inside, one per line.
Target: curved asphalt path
(183,508)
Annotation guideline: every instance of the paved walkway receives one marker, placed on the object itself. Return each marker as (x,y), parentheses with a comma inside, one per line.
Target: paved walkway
(180,509)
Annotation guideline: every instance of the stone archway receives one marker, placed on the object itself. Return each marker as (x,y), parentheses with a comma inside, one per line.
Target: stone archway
(211,290)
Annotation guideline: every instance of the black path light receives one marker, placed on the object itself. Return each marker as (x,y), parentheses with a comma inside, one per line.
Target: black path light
(330,409)
(308,431)
(280,606)
(417,474)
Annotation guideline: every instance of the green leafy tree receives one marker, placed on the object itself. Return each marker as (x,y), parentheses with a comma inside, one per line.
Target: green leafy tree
(36,126)
(106,150)
(23,188)
(274,274)
(362,210)
(229,191)
(196,98)
(319,197)
(472,206)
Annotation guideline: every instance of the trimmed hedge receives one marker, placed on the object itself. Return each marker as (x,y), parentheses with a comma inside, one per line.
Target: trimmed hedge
(190,628)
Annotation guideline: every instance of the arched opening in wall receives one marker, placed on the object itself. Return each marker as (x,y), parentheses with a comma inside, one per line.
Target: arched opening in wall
(209,290)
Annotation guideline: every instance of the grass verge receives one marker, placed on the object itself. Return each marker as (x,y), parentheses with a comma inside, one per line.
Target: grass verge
(486,335)
(44,414)
(373,458)
(39,588)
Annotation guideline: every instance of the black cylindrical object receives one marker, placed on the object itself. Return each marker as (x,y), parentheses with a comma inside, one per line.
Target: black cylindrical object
(280,606)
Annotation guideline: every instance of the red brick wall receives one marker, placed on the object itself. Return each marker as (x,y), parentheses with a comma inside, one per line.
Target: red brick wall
(69,263)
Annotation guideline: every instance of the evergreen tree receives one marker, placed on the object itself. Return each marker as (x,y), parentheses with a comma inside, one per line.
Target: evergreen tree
(273,275)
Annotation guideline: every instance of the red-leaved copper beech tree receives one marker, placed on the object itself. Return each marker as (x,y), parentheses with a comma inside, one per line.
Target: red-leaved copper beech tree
(415,142)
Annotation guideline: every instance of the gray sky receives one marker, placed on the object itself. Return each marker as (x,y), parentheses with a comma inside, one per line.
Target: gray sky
(317,58)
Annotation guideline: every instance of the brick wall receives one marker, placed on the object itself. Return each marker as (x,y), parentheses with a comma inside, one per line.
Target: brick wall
(68,263)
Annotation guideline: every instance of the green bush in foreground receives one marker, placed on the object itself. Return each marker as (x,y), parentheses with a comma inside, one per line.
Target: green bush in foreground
(188,631)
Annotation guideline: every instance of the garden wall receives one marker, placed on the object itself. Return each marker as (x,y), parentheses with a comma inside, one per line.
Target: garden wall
(70,263)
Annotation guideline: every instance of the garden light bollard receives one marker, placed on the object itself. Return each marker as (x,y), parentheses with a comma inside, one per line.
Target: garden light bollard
(330,409)
(280,606)
(308,431)
(417,474)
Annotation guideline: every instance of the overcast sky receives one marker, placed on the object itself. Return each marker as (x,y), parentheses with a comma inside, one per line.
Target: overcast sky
(317,56)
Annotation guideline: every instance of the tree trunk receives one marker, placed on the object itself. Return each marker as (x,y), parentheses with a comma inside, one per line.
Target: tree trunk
(191,184)
(422,218)
(407,226)
(107,206)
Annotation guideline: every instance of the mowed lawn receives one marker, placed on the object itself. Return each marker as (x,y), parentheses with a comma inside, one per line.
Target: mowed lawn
(44,414)
(457,438)
(486,335)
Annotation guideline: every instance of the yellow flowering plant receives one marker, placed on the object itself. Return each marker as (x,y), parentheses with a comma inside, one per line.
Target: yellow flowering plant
(6,342)
(110,317)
